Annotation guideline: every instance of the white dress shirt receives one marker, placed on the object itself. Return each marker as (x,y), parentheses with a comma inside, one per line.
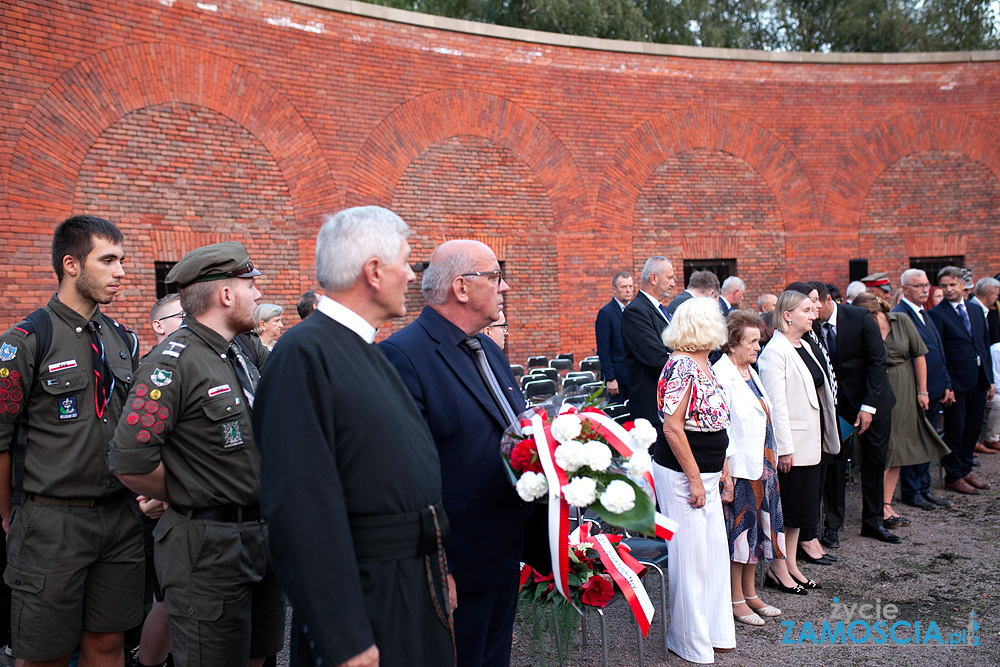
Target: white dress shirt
(338,312)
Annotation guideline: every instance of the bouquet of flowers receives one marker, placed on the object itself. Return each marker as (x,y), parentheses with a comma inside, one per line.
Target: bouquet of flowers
(583,458)
(599,464)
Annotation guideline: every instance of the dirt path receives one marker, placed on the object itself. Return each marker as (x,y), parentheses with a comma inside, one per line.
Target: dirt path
(946,567)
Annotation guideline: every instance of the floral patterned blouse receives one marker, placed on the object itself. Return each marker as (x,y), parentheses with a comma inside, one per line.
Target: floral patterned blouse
(708,409)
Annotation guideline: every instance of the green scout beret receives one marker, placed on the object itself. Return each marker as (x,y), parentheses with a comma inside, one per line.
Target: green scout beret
(212,262)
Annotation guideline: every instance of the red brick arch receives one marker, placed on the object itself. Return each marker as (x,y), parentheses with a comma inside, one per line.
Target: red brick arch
(427,119)
(683,130)
(97,92)
(892,141)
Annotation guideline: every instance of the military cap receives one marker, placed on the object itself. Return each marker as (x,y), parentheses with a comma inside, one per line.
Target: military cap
(880,280)
(212,262)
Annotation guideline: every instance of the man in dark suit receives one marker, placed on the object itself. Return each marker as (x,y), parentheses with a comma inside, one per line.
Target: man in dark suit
(449,370)
(731,294)
(643,323)
(966,350)
(608,332)
(701,283)
(916,479)
(985,297)
(864,400)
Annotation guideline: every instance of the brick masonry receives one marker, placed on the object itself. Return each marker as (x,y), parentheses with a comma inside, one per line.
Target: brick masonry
(188,123)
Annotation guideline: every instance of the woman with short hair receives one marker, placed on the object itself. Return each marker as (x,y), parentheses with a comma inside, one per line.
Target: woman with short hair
(688,474)
(753,518)
(269,324)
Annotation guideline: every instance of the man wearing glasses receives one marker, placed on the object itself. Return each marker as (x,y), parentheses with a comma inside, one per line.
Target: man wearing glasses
(166,316)
(497,331)
(463,386)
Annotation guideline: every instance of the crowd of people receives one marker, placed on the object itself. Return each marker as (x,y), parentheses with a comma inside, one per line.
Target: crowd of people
(234,467)
(761,412)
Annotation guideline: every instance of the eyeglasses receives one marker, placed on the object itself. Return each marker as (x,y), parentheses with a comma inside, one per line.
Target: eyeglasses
(167,317)
(505,325)
(493,275)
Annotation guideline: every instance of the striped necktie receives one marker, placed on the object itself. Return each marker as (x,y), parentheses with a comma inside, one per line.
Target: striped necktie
(104,379)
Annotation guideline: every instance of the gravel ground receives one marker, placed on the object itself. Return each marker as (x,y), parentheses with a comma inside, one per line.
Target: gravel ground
(945,568)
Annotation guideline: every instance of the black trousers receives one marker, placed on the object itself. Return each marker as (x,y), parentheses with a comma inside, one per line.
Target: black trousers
(874,443)
(484,623)
(916,479)
(963,423)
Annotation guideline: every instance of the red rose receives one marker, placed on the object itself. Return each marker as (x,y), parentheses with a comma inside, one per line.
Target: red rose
(597,591)
(628,426)
(592,409)
(524,457)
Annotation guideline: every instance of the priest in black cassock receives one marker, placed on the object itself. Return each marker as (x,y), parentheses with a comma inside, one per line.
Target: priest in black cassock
(350,476)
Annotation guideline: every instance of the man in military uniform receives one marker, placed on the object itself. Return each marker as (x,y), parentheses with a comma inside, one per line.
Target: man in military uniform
(74,542)
(185,438)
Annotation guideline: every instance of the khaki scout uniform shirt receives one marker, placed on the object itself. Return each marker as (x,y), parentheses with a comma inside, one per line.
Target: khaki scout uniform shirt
(67,443)
(187,409)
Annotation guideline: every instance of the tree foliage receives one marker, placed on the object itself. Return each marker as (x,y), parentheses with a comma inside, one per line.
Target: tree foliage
(796,25)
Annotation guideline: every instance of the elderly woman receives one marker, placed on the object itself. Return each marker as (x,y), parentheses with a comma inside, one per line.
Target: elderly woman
(269,325)
(753,519)
(688,475)
(913,440)
(801,396)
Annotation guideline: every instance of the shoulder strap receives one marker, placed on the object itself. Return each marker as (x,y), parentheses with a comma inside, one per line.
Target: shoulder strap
(40,324)
(127,335)
(247,348)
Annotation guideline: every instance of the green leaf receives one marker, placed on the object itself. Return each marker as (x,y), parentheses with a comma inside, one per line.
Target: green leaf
(638,519)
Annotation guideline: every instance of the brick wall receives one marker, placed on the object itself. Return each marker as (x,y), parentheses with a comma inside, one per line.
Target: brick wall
(188,124)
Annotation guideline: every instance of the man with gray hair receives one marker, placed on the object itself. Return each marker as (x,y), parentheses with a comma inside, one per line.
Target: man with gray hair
(986,292)
(731,294)
(701,283)
(766,303)
(351,481)
(468,396)
(854,288)
(643,323)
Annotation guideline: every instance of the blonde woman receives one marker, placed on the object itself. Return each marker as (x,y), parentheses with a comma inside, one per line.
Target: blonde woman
(692,481)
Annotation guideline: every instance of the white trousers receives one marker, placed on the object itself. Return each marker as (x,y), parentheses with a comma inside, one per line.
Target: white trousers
(701,612)
(993,418)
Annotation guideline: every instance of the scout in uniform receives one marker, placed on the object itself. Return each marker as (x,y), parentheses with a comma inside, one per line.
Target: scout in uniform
(74,542)
(185,437)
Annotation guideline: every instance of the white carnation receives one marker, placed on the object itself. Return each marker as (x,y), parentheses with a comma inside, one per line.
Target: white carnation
(566,427)
(532,486)
(597,455)
(571,456)
(643,432)
(639,464)
(619,497)
(581,492)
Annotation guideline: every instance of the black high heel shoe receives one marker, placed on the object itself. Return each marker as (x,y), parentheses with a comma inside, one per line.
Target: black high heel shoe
(822,560)
(771,581)
(808,583)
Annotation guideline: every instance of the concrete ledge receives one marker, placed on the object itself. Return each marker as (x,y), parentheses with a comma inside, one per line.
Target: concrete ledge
(647,48)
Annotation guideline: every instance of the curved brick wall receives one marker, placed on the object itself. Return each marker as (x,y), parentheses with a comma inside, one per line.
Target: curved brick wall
(190,123)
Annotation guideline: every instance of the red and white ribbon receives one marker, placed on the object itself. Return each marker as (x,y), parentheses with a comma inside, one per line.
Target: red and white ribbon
(627,579)
(622,441)
(558,508)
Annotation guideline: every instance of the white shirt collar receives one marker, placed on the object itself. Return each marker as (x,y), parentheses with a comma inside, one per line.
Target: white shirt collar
(338,312)
(726,301)
(620,304)
(833,316)
(651,299)
(982,305)
(914,307)
(956,304)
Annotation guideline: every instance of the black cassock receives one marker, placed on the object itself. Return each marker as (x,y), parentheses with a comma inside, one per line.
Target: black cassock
(343,449)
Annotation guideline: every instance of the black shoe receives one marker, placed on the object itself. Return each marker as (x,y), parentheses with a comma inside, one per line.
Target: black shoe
(895,522)
(930,497)
(920,501)
(808,583)
(823,560)
(830,540)
(771,581)
(880,534)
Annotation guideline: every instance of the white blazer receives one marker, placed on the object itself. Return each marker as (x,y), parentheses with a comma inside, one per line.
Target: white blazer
(747,420)
(796,417)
